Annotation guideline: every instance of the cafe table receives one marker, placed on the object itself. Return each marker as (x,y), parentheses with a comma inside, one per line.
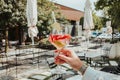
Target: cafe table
(89,55)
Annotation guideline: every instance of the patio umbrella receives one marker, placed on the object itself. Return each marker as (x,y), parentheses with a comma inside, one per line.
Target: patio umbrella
(88,20)
(56,26)
(31,13)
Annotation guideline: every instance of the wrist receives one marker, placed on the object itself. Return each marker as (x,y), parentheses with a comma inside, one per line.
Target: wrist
(82,69)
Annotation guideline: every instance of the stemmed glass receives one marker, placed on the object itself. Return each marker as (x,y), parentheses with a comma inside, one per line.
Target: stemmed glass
(59,40)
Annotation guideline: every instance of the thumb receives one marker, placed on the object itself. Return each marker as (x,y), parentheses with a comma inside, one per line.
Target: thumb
(65,58)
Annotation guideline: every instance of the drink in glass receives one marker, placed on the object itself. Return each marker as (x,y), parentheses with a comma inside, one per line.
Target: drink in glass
(59,41)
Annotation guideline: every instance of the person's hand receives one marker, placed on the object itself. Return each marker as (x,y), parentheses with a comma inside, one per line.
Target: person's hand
(68,56)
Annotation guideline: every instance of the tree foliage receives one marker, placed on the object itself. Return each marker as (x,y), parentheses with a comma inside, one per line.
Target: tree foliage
(111,9)
(97,21)
(45,19)
(12,13)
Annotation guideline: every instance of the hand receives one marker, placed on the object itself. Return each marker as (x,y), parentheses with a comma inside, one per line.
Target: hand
(69,57)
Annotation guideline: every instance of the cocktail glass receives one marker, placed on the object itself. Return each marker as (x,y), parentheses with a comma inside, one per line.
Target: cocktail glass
(59,41)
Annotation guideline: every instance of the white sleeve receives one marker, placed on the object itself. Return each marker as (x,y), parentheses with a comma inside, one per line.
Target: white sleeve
(92,74)
(89,74)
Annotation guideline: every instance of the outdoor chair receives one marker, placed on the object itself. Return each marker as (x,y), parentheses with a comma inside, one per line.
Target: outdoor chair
(61,72)
(100,62)
(106,50)
(104,59)
(53,69)
(32,50)
(81,55)
(1,59)
(24,54)
(112,69)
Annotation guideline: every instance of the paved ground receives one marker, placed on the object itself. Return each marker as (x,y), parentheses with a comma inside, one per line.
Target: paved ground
(29,64)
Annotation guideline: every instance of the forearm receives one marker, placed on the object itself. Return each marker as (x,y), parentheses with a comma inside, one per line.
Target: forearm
(82,69)
(79,66)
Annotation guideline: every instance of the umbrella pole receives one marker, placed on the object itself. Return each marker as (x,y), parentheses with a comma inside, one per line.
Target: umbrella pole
(32,38)
(87,43)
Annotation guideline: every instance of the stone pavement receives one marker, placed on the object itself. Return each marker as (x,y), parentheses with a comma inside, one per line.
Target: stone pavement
(28,70)
(27,62)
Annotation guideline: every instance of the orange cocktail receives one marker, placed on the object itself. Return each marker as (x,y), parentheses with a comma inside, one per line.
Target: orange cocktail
(59,41)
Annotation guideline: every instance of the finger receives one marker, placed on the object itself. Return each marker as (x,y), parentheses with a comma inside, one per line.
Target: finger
(63,57)
(59,61)
(72,53)
(65,51)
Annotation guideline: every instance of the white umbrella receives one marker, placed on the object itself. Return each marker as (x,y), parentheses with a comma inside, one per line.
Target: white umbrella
(88,20)
(31,13)
(56,26)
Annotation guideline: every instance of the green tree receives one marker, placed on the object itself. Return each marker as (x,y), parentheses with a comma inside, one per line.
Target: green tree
(12,14)
(111,10)
(45,19)
(97,21)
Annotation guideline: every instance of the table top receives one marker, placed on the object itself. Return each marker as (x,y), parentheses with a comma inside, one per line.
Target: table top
(91,54)
(94,54)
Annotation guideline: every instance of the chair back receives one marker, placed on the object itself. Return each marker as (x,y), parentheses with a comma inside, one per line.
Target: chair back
(53,67)
(51,64)
(106,48)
